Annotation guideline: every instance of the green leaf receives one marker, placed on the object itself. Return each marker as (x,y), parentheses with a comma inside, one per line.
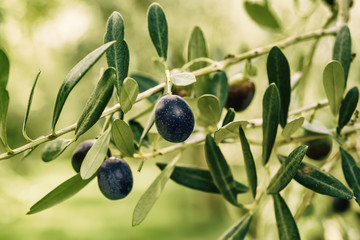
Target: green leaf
(197,49)
(150,196)
(62,192)
(334,84)
(347,108)
(230,130)
(74,76)
(285,222)
(287,170)
(4,105)
(137,130)
(220,87)
(53,149)
(239,229)
(278,71)
(342,50)
(351,172)
(158,29)
(128,95)
(183,78)
(220,171)
(114,28)
(123,137)
(229,117)
(145,83)
(198,179)
(271,111)
(262,15)
(96,103)
(95,156)
(149,124)
(316,128)
(249,162)
(209,107)
(4,69)
(29,106)
(292,127)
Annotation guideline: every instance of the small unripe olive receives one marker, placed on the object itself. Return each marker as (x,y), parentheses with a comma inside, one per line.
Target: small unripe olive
(174,119)
(340,205)
(319,149)
(115,179)
(181,91)
(240,95)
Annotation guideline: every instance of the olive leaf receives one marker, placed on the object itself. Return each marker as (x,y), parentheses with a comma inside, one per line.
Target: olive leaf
(4,105)
(97,102)
(220,87)
(95,156)
(287,170)
(149,124)
(74,76)
(316,128)
(148,199)
(249,162)
(128,95)
(53,149)
(239,229)
(137,129)
(262,15)
(286,225)
(158,29)
(29,106)
(197,49)
(342,50)
(351,172)
(209,108)
(347,108)
(145,83)
(292,127)
(198,179)
(4,69)
(220,171)
(230,130)
(278,72)
(123,137)
(271,112)
(229,117)
(334,84)
(183,78)
(62,192)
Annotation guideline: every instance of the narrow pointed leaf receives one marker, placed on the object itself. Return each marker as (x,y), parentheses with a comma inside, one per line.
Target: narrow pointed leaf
(123,137)
(4,105)
(230,130)
(209,107)
(316,128)
(286,225)
(150,196)
(96,103)
(334,84)
(271,112)
(278,71)
(62,192)
(137,131)
(347,108)
(149,124)
(128,95)
(220,171)
(220,87)
(198,179)
(197,49)
(229,117)
(53,149)
(351,172)
(145,83)
(239,230)
(29,106)
(287,170)
(292,127)
(4,69)
(262,15)
(158,29)
(95,156)
(342,50)
(249,162)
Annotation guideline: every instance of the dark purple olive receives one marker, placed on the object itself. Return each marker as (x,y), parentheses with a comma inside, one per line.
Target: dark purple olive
(80,153)
(174,119)
(115,179)
(319,149)
(240,95)
(340,205)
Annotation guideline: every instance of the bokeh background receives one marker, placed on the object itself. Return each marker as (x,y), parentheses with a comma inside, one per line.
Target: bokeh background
(52,36)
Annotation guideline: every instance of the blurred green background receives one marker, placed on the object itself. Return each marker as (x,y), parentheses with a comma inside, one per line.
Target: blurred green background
(52,36)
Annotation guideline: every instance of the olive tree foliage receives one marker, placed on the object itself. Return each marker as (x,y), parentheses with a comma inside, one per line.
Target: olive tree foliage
(203,86)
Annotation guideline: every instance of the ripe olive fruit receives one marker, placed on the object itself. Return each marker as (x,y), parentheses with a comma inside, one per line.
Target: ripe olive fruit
(80,153)
(319,149)
(115,179)
(340,205)
(240,95)
(174,119)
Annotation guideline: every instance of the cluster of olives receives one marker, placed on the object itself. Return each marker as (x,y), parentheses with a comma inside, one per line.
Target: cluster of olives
(115,178)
